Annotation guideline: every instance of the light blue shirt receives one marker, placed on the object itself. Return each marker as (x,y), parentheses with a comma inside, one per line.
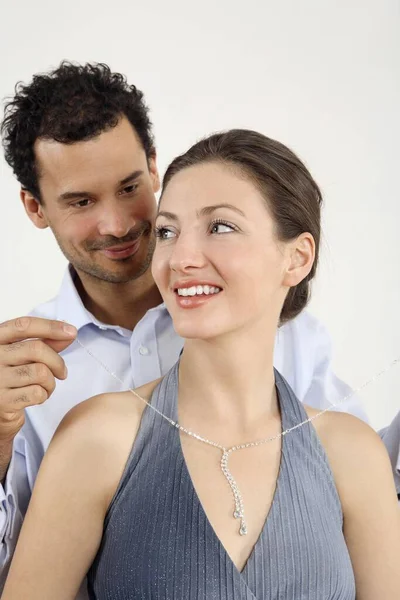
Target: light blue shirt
(302,355)
(391,438)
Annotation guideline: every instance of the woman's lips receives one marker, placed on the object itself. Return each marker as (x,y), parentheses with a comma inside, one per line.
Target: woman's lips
(195,301)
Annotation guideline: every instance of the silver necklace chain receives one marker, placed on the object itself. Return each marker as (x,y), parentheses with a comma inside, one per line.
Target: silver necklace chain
(238,512)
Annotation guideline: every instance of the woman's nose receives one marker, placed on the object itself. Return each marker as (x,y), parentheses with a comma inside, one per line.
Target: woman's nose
(187,254)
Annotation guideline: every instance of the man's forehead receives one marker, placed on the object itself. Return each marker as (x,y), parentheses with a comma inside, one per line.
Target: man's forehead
(50,153)
(112,144)
(69,165)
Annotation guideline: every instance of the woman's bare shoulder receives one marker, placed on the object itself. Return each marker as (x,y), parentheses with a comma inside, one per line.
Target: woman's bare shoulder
(339,428)
(356,454)
(107,412)
(342,434)
(99,431)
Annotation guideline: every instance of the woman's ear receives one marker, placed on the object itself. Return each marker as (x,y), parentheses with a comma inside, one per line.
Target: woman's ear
(302,256)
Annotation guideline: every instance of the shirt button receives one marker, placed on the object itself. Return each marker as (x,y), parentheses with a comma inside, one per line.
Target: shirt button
(102,327)
(143,350)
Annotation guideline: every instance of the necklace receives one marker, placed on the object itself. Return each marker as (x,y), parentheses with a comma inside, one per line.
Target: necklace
(238,512)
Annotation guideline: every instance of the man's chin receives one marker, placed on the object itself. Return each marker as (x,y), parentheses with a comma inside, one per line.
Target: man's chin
(122,272)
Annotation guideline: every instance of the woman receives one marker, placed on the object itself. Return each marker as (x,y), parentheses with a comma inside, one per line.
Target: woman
(150,511)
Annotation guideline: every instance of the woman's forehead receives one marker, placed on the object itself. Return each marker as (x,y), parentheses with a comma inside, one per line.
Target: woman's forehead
(206,184)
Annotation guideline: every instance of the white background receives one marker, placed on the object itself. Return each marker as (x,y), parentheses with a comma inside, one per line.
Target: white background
(321,76)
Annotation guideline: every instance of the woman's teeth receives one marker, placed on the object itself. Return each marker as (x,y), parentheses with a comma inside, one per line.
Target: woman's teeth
(198,290)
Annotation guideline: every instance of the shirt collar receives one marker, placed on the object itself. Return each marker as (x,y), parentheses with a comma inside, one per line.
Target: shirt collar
(71,309)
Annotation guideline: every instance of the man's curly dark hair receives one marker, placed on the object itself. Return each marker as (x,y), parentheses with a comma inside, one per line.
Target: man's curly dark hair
(70,104)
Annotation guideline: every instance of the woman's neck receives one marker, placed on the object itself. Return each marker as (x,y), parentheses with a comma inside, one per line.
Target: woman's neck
(229,381)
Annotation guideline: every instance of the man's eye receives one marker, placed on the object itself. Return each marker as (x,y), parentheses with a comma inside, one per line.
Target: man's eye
(82,203)
(163,233)
(129,189)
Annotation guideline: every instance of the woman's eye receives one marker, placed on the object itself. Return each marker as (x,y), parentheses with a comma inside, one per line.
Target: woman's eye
(164,234)
(221,228)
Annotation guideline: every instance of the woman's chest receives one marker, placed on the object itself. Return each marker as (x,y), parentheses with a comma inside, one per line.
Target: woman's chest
(245,483)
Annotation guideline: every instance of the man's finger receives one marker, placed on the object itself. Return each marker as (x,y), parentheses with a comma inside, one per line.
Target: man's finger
(22,397)
(32,351)
(59,345)
(32,374)
(24,328)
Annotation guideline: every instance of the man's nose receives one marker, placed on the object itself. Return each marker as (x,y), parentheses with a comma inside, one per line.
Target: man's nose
(115,221)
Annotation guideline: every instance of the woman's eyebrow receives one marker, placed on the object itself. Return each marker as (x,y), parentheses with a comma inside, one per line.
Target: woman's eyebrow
(168,215)
(205,211)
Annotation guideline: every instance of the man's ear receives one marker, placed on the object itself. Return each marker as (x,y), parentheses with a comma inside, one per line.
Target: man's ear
(33,209)
(302,256)
(155,177)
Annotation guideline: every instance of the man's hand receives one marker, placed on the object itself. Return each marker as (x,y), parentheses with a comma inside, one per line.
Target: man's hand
(29,365)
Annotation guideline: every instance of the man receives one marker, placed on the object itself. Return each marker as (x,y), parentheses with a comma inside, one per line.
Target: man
(80,143)
(391,438)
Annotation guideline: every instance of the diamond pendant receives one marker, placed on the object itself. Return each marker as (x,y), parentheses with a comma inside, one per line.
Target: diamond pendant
(239,509)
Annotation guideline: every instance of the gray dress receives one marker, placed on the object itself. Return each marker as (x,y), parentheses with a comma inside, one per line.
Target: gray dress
(158,543)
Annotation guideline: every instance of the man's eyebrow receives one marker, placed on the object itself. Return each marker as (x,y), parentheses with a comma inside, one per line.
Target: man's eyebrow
(82,194)
(73,195)
(205,211)
(134,175)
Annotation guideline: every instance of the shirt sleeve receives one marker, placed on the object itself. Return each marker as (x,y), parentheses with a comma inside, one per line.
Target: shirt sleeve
(326,383)
(14,499)
(304,350)
(391,438)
